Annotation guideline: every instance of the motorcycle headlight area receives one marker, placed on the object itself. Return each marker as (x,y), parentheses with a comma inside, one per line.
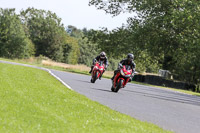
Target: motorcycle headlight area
(96,67)
(122,73)
(101,69)
(127,76)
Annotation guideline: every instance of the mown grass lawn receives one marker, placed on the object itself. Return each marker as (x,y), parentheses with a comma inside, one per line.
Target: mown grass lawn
(33,101)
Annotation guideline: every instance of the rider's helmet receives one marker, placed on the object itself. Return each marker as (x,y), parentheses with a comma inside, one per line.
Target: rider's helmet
(130,57)
(102,55)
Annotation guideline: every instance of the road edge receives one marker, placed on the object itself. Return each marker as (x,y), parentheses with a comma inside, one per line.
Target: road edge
(41,68)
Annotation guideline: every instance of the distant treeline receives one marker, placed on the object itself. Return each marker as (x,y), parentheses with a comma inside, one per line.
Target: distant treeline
(36,32)
(164,35)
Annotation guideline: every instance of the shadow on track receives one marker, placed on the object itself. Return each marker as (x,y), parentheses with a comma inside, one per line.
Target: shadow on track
(164,91)
(101,89)
(174,98)
(150,88)
(84,81)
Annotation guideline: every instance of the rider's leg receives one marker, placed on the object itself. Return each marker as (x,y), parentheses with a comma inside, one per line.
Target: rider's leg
(101,75)
(115,72)
(91,69)
(130,79)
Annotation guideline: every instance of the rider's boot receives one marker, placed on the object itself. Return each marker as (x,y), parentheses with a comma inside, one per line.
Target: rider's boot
(113,77)
(101,75)
(91,69)
(130,79)
(115,72)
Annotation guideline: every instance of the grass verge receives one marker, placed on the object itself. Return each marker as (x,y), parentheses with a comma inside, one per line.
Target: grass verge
(33,101)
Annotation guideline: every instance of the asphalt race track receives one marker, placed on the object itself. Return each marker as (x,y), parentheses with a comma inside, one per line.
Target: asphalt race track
(168,109)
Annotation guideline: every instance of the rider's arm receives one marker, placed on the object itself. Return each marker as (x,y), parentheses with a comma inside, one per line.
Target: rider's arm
(106,62)
(95,59)
(133,67)
(122,62)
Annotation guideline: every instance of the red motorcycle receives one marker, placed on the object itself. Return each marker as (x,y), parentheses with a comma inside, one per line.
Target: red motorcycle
(97,71)
(121,78)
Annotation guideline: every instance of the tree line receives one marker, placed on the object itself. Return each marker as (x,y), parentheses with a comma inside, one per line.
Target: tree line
(165,34)
(36,32)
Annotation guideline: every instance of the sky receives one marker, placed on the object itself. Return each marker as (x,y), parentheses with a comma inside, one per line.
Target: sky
(72,12)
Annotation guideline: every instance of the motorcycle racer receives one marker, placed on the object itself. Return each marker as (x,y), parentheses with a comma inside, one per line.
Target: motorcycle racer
(128,61)
(100,57)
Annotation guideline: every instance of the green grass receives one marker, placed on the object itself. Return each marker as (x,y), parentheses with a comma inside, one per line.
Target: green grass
(33,101)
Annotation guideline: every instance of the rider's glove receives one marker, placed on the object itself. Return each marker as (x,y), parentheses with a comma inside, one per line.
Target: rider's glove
(120,65)
(106,67)
(94,61)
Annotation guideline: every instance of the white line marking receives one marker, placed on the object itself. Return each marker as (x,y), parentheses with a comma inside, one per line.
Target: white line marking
(58,78)
(45,69)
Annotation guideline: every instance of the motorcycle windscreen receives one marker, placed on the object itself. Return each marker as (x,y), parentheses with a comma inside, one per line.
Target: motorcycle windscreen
(128,67)
(100,63)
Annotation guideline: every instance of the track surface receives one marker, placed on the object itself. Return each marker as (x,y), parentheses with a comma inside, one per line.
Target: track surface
(168,109)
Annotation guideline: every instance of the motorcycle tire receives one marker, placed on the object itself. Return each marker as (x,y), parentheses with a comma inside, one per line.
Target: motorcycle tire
(94,78)
(119,85)
(91,80)
(112,89)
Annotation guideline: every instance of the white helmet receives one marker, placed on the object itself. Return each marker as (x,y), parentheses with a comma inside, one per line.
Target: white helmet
(102,55)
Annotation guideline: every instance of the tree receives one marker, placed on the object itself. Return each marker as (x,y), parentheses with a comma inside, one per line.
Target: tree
(13,41)
(71,50)
(46,32)
(88,50)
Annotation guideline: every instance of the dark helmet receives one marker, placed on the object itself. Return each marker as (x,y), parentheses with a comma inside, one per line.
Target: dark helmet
(130,57)
(102,55)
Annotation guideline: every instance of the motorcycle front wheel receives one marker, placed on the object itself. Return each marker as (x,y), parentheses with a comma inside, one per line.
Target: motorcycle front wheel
(94,78)
(112,88)
(119,85)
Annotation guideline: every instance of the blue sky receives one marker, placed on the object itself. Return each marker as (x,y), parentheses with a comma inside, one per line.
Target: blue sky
(72,12)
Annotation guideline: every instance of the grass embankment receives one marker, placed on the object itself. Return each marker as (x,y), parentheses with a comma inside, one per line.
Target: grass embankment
(33,101)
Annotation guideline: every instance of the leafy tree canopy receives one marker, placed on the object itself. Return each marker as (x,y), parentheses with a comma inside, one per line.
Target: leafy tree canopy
(13,41)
